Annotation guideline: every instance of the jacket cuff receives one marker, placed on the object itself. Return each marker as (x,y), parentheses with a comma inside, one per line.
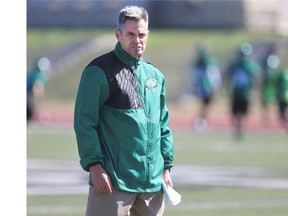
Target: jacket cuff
(93,164)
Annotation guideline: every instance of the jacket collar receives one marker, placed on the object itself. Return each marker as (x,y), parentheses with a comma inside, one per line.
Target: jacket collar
(125,57)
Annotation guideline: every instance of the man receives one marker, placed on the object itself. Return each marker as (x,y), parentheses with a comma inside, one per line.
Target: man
(270,67)
(206,79)
(35,86)
(282,97)
(241,75)
(121,124)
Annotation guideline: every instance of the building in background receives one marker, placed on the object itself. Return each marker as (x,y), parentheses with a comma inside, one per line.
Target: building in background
(269,15)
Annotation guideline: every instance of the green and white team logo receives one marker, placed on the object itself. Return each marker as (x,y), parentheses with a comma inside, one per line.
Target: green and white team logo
(151,83)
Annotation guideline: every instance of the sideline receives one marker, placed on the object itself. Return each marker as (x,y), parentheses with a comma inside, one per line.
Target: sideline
(64,177)
(192,205)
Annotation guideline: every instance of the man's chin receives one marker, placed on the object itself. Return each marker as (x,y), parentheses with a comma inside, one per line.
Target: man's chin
(137,55)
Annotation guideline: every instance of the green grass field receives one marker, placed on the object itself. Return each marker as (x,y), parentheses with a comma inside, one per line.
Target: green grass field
(216,175)
(260,158)
(170,50)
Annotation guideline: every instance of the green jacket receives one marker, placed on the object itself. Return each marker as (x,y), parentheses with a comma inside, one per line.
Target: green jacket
(121,121)
(282,86)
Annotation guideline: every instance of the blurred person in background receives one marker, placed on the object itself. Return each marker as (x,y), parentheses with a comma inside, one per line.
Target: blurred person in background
(269,73)
(121,125)
(206,79)
(35,85)
(240,77)
(282,97)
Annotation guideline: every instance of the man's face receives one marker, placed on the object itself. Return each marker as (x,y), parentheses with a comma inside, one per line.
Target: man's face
(133,38)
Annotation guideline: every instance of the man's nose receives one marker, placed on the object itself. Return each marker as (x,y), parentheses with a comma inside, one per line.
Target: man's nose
(137,39)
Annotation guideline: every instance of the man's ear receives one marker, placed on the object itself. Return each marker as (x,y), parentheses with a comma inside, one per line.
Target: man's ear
(117,34)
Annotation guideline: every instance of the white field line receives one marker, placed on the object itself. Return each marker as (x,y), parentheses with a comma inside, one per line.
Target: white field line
(55,177)
(255,177)
(65,177)
(198,205)
(55,209)
(233,204)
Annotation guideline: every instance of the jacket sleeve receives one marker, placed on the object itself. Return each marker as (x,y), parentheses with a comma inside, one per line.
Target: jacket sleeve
(92,93)
(167,144)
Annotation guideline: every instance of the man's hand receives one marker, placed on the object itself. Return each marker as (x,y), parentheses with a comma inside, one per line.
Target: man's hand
(167,178)
(101,180)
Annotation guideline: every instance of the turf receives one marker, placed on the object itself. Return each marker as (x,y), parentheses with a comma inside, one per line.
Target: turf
(170,50)
(266,151)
